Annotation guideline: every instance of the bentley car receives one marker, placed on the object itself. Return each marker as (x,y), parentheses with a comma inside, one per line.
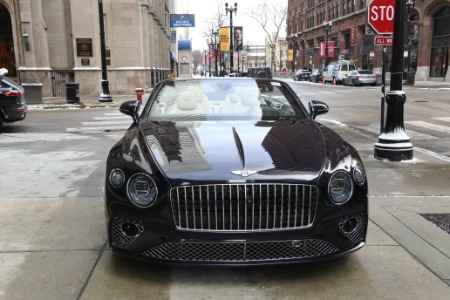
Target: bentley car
(232,171)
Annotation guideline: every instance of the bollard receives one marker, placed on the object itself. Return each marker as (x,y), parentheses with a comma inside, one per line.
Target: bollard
(139,92)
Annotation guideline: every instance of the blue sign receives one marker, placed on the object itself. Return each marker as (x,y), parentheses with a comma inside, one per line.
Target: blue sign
(177,20)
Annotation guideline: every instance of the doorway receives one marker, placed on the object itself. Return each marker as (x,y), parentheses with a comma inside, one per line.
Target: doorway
(440,43)
(7,54)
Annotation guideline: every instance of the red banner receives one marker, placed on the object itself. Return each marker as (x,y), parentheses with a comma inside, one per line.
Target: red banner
(330,49)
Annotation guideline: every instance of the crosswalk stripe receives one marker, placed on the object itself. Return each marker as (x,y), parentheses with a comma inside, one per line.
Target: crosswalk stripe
(429,126)
(97,129)
(112,118)
(117,122)
(445,119)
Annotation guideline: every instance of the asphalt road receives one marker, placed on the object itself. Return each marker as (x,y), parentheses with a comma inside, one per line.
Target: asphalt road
(52,235)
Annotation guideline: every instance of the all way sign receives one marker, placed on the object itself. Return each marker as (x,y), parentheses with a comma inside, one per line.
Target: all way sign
(383,40)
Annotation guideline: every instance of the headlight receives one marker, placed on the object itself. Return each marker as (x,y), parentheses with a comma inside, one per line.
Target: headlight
(340,187)
(141,190)
(116,178)
(359,175)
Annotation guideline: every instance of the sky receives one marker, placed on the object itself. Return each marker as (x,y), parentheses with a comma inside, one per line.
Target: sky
(205,9)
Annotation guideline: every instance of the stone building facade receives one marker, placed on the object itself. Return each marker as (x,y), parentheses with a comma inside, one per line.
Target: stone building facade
(427,36)
(57,41)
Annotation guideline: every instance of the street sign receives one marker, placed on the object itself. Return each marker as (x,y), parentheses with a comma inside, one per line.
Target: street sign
(383,40)
(381,16)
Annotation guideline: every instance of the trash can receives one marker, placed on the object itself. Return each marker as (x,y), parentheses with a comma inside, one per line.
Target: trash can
(73,92)
(411,77)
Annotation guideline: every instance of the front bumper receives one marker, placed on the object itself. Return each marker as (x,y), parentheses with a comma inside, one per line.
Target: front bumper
(156,240)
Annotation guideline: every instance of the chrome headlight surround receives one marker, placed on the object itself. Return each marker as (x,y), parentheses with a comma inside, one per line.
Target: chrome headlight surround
(359,175)
(141,190)
(340,187)
(117,178)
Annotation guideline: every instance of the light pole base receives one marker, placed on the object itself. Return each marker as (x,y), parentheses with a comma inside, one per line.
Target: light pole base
(105,95)
(393,146)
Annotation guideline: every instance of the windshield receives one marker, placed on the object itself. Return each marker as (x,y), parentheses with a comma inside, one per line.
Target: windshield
(223,99)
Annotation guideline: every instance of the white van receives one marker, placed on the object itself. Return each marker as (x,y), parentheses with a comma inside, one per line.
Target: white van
(338,70)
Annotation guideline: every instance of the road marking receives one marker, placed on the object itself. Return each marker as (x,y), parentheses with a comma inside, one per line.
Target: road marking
(97,129)
(428,125)
(94,123)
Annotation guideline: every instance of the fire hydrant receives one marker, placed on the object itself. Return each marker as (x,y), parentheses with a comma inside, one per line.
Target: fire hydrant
(139,92)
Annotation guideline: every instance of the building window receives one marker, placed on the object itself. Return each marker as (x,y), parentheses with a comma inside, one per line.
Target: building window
(344,7)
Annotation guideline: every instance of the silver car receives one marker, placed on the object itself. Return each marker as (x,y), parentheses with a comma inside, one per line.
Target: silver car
(360,77)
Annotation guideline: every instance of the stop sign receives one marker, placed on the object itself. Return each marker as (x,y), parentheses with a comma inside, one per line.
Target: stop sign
(381,16)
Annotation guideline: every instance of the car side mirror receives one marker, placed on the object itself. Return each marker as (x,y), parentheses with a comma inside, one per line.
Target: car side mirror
(317,107)
(131,108)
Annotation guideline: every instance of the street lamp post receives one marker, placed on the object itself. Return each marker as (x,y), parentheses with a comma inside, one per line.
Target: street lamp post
(393,143)
(294,40)
(231,9)
(105,95)
(327,28)
(215,33)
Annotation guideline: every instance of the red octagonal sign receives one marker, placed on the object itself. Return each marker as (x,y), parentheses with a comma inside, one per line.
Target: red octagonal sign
(381,16)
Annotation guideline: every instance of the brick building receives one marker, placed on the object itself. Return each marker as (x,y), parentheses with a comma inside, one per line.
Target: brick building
(427,40)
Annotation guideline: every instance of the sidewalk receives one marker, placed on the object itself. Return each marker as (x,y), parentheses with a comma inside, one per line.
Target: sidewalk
(85,102)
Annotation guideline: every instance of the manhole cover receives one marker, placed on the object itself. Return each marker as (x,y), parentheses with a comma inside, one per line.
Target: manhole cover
(440,220)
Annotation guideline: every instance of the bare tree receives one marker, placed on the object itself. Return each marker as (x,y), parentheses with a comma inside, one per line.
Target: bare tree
(215,22)
(270,16)
(197,58)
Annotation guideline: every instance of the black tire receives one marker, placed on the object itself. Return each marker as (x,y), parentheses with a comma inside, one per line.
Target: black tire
(354,83)
(374,84)
(343,82)
(1,123)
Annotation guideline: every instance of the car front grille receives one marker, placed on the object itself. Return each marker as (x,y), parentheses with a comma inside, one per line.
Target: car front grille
(241,252)
(244,207)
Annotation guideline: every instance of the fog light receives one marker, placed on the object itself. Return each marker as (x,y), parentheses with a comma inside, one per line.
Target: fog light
(130,229)
(350,225)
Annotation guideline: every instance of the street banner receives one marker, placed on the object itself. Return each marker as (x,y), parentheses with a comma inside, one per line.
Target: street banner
(330,49)
(224,33)
(182,20)
(238,41)
(290,54)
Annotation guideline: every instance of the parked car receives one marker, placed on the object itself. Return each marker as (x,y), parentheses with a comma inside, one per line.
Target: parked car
(259,73)
(301,75)
(338,70)
(360,77)
(12,102)
(316,76)
(232,171)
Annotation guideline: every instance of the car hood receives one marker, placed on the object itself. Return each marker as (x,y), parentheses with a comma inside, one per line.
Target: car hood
(208,151)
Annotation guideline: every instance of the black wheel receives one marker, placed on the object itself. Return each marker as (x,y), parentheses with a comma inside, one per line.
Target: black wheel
(354,83)
(374,84)
(1,123)
(343,82)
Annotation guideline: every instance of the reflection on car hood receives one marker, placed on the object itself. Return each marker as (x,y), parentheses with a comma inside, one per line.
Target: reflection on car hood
(233,150)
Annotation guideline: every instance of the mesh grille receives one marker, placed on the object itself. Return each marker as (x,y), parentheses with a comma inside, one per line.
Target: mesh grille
(241,252)
(244,207)
(356,235)
(119,239)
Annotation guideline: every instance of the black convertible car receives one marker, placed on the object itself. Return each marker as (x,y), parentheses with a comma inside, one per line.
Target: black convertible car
(13,107)
(232,171)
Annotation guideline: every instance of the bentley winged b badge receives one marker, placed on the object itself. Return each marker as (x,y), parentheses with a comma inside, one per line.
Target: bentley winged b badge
(244,173)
